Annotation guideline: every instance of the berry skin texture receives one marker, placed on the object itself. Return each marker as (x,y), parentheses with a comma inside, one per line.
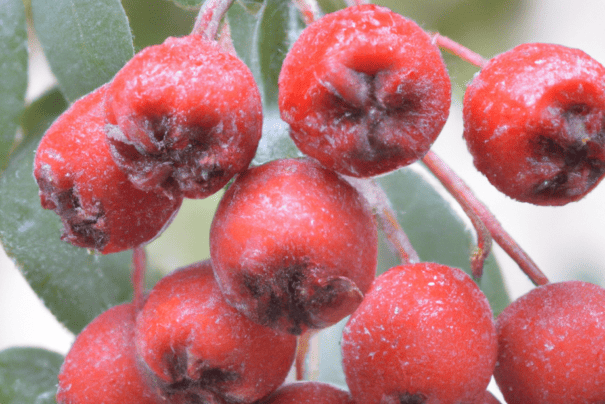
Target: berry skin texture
(78,179)
(197,348)
(101,366)
(364,90)
(552,345)
(534,121)
(184,116)
(424,334)
(309,393)
(294,246)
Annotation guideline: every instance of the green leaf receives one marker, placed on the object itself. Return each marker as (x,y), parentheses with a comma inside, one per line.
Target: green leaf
(276,142)
(435,230)
(13,73)
(188,4)
(75,285)
(86,42)
(262,36)
(28,375)
(42,112)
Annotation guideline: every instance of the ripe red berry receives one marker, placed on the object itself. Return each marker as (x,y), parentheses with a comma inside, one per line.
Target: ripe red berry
(101,366)
(198,348)
(365,91)
(184,116)
(552,345)
(309,393)
(78,179)
(486,398)
(534,121)
(423,334)
(294,246)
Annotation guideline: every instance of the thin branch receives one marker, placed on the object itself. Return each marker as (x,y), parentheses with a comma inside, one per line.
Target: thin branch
(462,52)
(473,207)
(139,267)
(309,9)
(302,351)
(463,194)
(387,218)
(209,18)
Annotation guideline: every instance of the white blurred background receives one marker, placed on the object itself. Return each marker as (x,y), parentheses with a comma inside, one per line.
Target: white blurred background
(566,242)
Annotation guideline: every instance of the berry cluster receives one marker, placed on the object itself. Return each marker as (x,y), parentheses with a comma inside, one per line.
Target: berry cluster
(294,245)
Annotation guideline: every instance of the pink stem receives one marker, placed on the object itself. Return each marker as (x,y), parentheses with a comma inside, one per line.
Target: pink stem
(463,195)
(302,350)
(209,18)
(478,211)
(387,218)
(139,267)
(462,52)
(309,9)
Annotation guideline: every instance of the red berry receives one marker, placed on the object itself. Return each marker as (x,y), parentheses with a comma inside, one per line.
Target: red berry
(365,91)
(309,393)
(423,334)
(78,179)
(294,246)
(552,345)
(184,116)
(101,366)
(486,398)
(534,121)
(200,349)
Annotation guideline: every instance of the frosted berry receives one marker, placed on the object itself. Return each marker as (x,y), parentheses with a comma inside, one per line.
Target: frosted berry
(486,398)
(198,348)
(552,345)
(423,334)
(78,179)
(101,366)
(184,116)
(294,246)
(309,392)
(534,121)
(364,90)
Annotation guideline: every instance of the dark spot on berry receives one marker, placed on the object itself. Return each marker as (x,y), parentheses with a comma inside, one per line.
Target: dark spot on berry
(412,399)
(570,158)
(160,128)
(211,383)
(404,398)
(290,294)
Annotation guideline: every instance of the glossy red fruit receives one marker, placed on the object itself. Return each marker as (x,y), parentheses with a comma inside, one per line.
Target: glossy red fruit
(552,345)
(184,116)
(423,334)
(365,91)
(294,246)
(534,121)
(309,393)
(101,366)
(200,349)
(78,179)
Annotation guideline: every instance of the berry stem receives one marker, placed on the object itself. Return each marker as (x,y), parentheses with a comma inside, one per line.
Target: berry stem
(309,9)
(209,18)
(463,195)
(477,211)
(225,42)
(139,267)
(462,52)
(302,351)
(387,219)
